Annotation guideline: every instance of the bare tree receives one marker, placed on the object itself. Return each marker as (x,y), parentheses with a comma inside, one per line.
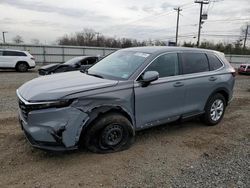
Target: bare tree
(17,39)
(35,41)
(89,37)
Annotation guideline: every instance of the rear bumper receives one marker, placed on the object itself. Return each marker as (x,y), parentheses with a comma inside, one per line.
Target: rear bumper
(53,129)
(243,71)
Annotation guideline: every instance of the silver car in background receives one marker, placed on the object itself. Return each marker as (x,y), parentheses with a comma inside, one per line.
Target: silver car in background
(129,90)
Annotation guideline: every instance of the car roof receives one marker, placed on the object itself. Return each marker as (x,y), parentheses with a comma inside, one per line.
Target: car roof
(160,49)
(12,50)
(84,56)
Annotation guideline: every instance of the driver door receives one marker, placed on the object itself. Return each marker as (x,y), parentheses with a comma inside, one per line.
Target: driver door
(161,101)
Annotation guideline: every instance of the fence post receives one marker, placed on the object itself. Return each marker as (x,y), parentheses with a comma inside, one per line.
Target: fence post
(63,55)
(83,51)
(44,55)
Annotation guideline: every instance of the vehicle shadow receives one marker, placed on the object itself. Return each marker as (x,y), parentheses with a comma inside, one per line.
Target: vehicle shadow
(14,71)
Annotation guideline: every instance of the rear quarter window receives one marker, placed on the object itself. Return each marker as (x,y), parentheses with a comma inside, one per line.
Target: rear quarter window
(194,63)
(13,53)
(214,62)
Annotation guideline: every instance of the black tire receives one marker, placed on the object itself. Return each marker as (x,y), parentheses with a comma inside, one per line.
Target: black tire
(22,67)
(209,118)
(100,137)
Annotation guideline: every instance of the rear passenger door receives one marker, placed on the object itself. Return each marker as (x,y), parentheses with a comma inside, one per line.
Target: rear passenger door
(199,80)
(5,60)
(10,58)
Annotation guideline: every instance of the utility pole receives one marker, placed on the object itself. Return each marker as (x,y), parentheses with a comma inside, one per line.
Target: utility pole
(245,39)
(201,2)
(97,37)
(4,35)
(177,24)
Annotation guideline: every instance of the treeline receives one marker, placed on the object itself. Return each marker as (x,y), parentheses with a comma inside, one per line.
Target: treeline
(227,48)
(89,37)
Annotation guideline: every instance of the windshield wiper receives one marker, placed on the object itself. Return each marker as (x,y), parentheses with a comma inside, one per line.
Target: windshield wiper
(96,75)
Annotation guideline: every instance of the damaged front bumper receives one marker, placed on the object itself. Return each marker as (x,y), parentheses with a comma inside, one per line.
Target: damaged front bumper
(55,129)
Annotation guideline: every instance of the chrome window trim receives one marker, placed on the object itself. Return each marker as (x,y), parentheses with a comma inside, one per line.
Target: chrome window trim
(182,75)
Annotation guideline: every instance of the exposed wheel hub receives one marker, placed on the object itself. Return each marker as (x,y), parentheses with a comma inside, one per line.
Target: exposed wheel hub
(112,135)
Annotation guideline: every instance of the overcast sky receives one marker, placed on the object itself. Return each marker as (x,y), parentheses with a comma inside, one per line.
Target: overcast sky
(47,20)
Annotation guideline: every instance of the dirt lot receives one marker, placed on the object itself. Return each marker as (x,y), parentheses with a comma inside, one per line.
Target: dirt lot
(178,155)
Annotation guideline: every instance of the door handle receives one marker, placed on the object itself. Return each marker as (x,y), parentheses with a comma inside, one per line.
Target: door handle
(178,84)
(212,78)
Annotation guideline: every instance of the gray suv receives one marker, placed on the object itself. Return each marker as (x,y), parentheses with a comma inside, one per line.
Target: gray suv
(129,90)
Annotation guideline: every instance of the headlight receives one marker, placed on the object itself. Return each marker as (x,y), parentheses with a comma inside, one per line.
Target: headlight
(52,104)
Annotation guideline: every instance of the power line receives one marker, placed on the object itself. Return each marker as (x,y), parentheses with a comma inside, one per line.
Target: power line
(222,35)
(153,16)
(228,20)
(180,36)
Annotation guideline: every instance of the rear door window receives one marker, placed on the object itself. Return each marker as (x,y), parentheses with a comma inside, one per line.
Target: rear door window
(214,62)
(166,65)
(92,60)
(13,53)
(89,61)
(84,61)
(194,63)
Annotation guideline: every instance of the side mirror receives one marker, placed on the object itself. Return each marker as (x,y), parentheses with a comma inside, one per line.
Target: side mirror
(148,77)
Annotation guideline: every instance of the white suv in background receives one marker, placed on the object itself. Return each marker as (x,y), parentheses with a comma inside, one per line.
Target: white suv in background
(19,60)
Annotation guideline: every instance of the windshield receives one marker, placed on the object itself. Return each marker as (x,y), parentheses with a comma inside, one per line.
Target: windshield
(73,61)
(119,65)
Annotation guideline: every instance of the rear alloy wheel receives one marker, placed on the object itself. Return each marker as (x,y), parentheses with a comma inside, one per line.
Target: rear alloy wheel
(22,67)
(214,109)
(110,133)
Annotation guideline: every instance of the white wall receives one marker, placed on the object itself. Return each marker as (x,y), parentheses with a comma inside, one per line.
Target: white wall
(58,54)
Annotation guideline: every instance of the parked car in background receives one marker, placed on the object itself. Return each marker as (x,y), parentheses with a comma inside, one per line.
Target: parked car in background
(130,90)
(21,61)
(76,63)
(244,69)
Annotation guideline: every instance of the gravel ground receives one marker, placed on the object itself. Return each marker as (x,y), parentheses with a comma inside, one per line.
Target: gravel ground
(176,155)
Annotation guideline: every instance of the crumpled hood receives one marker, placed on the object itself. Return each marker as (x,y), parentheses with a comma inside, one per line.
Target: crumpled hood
(50,66)
(56,86)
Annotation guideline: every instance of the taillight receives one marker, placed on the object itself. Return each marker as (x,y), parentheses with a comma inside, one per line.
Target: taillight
(32,58)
